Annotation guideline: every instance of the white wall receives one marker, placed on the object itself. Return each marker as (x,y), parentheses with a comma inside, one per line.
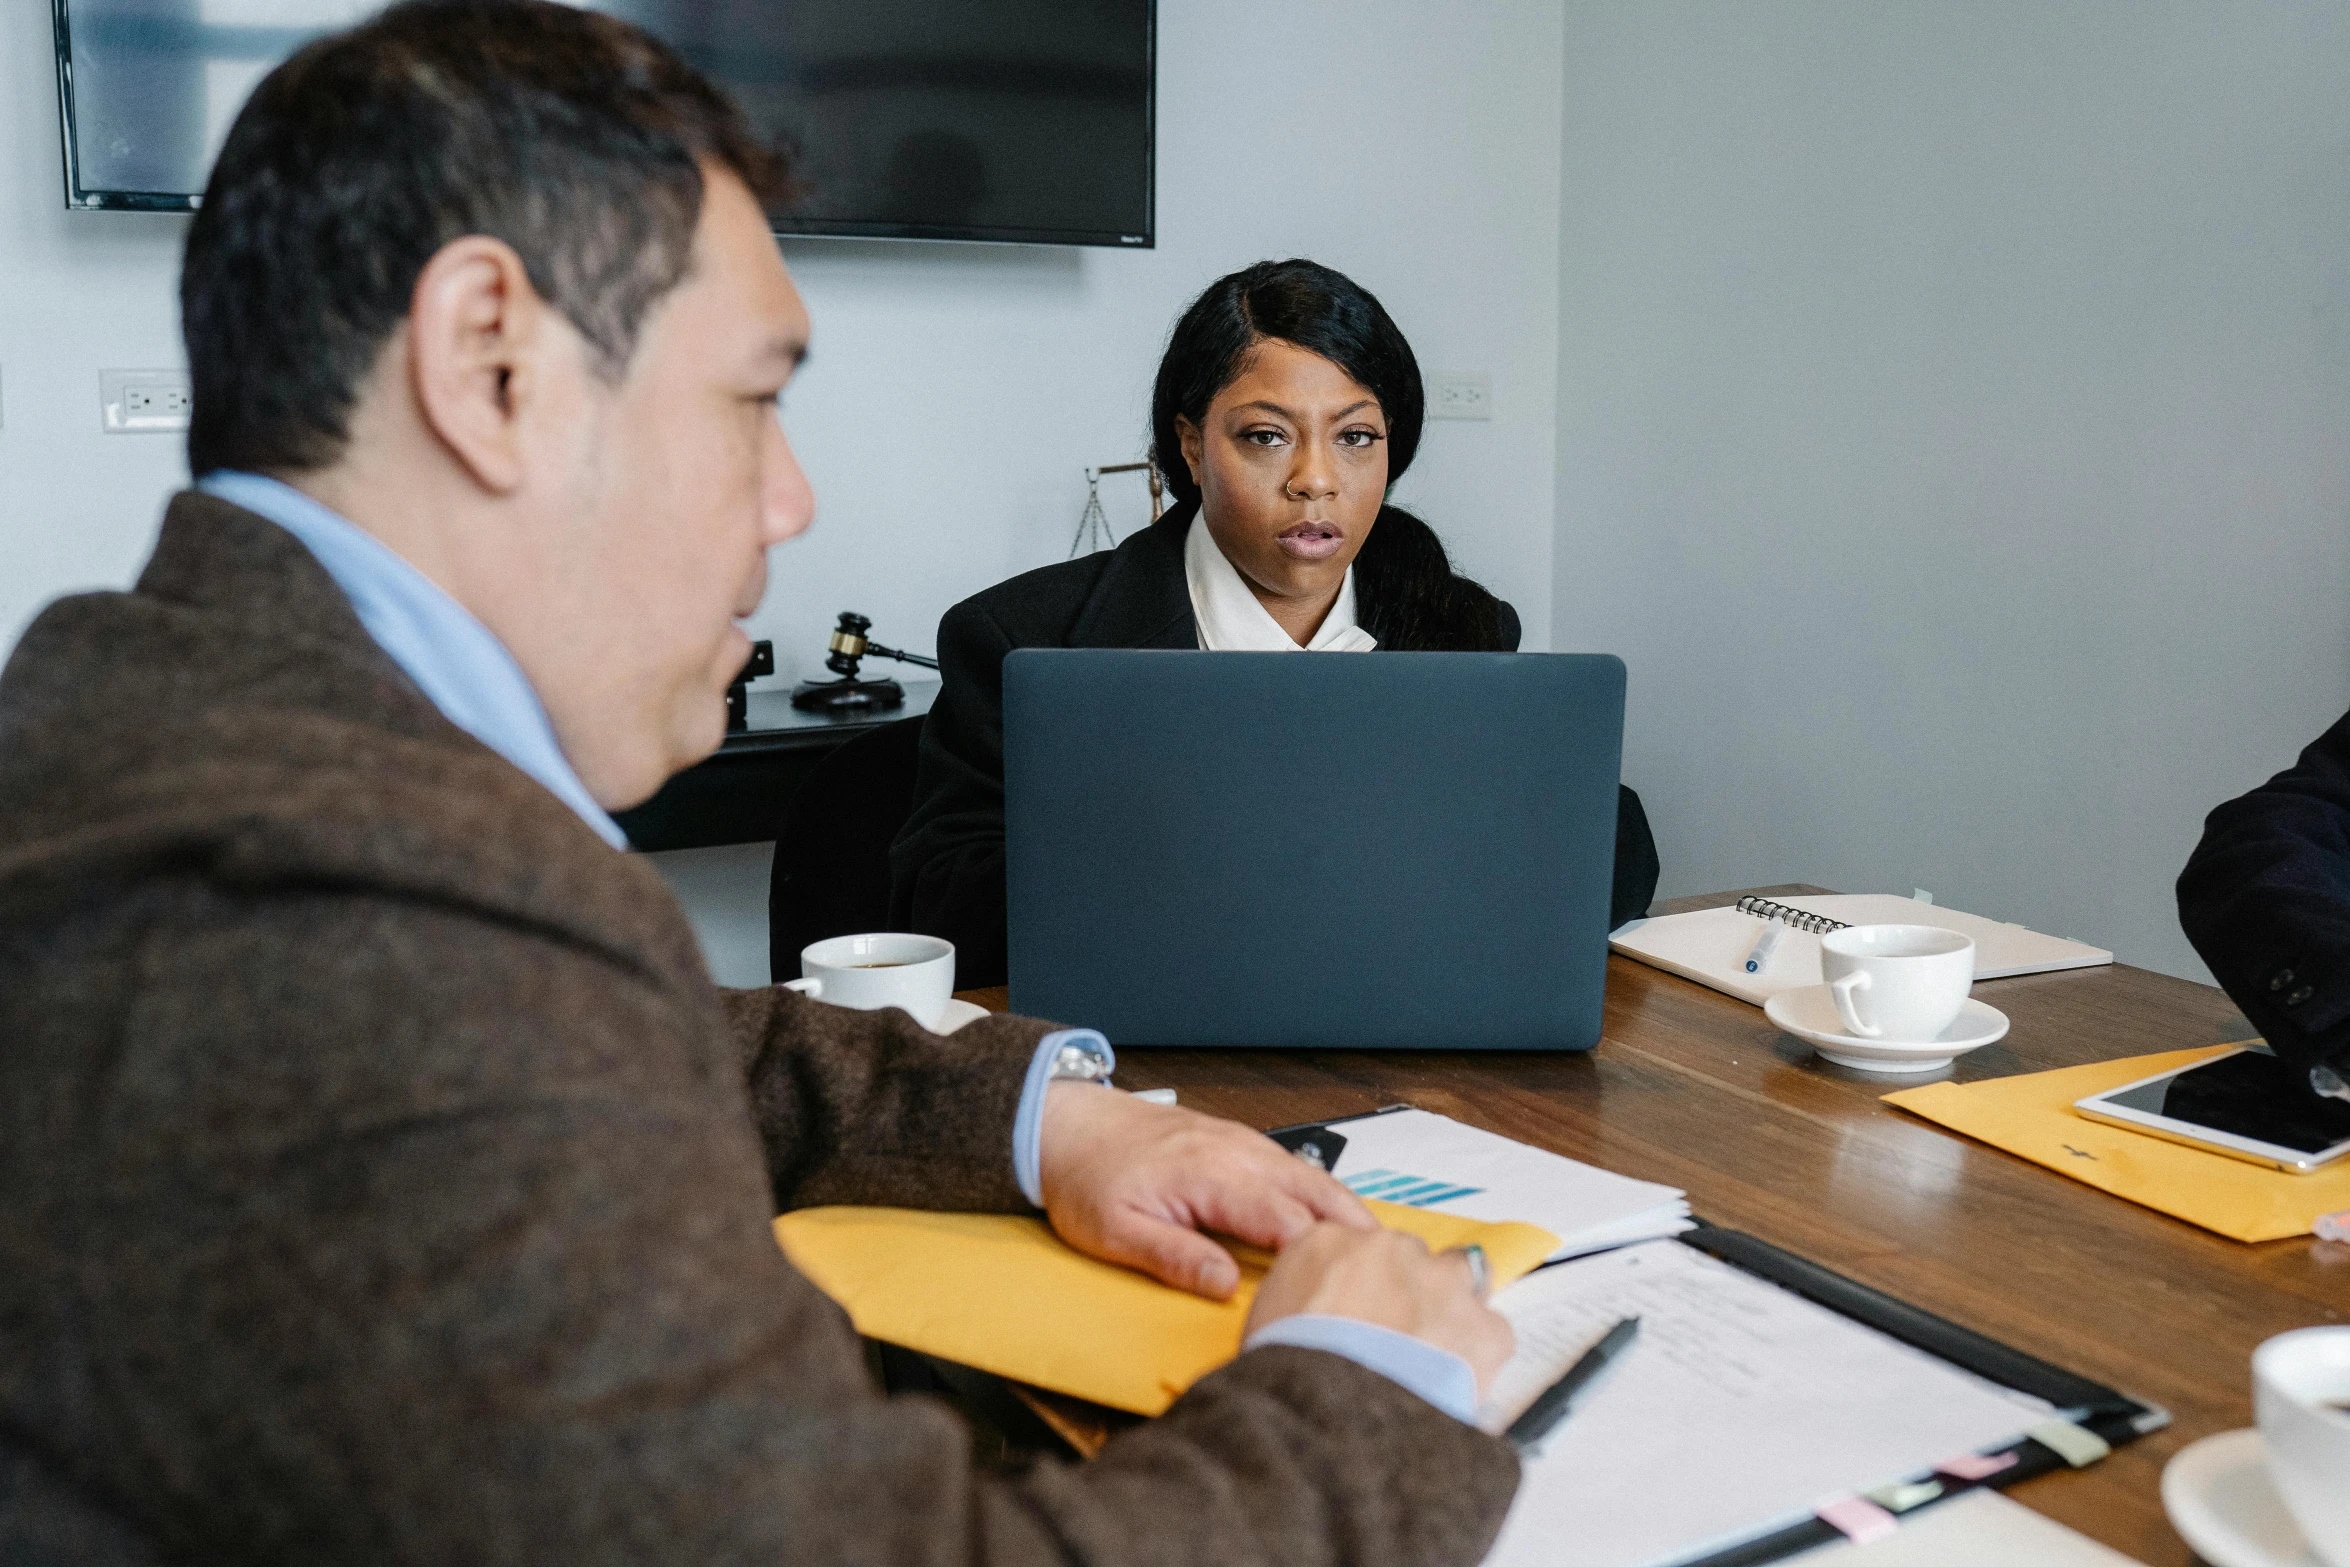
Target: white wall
(957,391)
(1954,432)
(78,292)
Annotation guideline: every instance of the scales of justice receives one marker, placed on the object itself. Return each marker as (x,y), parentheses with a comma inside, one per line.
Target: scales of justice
(1093,525)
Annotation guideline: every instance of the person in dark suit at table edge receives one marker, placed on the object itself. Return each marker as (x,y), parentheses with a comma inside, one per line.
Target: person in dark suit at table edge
(1286,405)
(2265,898)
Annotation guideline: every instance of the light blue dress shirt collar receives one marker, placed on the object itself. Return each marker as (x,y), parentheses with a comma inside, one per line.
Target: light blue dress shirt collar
(455,660)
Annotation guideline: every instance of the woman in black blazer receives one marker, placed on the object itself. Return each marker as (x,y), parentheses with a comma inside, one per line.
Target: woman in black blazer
(1286,404)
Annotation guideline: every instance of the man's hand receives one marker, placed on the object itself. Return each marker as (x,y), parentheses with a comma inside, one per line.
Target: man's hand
(1389,1279)
(1135,1183)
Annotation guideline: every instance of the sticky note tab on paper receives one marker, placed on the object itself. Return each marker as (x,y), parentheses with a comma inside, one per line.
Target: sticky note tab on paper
(1007,1295)
(2076,1445)
(1858,1519)
(1975,1466)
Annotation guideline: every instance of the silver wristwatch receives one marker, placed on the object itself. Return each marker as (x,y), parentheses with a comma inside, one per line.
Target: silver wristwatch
(1079,1062)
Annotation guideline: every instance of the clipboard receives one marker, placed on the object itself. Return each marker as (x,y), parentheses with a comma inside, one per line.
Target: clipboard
(2092,1418)
(2102,1417)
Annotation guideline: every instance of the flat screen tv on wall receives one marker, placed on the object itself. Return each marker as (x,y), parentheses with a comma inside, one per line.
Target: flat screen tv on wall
(1016,120)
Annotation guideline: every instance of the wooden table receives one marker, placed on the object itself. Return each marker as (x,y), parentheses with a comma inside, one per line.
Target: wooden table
(1692,1088)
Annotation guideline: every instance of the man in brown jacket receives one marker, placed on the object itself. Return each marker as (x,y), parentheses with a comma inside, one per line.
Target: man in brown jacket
(381,1177)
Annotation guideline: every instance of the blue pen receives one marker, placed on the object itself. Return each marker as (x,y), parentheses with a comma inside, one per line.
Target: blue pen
(1765,947)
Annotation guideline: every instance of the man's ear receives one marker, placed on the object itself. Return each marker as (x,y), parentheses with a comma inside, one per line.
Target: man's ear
(475,330)
(1188,436)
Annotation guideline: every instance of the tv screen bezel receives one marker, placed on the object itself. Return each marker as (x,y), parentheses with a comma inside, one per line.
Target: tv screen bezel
(81,199)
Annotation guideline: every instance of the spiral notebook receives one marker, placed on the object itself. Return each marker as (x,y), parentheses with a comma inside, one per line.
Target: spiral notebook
(1711,946)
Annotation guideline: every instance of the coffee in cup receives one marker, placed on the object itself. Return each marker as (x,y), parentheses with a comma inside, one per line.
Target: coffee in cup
(884,969)
(2301,1396)
(1902,983)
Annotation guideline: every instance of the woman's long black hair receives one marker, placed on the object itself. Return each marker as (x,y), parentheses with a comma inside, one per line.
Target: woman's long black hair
(1406,594)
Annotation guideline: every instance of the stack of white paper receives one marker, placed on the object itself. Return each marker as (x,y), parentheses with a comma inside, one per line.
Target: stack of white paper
(1739,1409)
(1425,1160)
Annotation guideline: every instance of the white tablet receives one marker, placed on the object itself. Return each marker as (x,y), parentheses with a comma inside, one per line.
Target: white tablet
(2246,1104)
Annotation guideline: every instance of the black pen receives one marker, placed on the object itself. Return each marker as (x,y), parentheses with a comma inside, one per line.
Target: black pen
(1552,1405)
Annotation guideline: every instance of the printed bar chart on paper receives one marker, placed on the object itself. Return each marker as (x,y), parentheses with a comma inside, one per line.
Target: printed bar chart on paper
(1419,1159)
(1413,1191)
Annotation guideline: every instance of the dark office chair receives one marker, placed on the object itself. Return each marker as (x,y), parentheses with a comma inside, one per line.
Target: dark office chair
(831,874)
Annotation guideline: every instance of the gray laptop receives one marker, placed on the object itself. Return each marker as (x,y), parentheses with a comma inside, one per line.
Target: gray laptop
(1383,851)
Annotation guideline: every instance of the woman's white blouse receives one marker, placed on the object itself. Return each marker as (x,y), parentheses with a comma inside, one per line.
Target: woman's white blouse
(1232,621)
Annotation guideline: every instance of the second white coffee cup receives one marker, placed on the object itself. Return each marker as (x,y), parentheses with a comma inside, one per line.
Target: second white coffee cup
(2301,1395)
(884,969)
(1901,983)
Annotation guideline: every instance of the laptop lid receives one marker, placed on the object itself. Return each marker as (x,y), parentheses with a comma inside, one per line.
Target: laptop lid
(1379,851)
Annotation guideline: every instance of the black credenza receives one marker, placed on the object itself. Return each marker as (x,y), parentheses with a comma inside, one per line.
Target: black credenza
(739,793)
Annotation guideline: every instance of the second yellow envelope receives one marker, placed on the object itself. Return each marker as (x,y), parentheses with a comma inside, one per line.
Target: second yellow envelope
(2033,1116)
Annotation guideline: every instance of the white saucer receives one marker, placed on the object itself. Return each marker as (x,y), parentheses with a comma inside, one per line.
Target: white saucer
(1810,1015)
(958,1013)
(2219,1498)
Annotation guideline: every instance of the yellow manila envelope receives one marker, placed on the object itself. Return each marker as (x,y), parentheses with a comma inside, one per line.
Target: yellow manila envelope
(2033,1116)
(1007,1295)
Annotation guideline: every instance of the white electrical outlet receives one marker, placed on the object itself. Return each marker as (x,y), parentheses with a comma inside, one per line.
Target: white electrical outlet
(1461,394)
(143,402)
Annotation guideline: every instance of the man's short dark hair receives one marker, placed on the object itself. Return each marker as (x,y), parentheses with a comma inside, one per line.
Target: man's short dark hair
(572,136)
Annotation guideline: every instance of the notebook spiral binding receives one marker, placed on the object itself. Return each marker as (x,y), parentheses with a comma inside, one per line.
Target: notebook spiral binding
(1765,909)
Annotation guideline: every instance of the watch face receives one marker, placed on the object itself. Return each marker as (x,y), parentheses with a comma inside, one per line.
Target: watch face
(1075,1061)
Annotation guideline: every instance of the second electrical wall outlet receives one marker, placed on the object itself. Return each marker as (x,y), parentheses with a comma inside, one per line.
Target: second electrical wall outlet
(143,402)
(1460,394)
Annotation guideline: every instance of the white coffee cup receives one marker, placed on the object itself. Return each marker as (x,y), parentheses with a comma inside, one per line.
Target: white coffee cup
(885,969)
(2301,1396)
(1902,983)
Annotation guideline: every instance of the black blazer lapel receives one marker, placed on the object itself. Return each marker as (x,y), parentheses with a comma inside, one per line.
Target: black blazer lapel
(1142,599)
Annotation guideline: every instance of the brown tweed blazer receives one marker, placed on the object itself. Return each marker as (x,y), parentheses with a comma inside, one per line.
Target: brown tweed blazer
(382,1179)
